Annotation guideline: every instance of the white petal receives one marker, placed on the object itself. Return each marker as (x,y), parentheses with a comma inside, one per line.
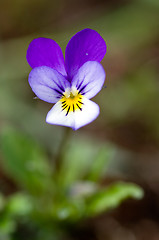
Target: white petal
(75,120)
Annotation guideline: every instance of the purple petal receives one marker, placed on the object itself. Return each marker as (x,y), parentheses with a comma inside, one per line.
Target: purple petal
(75,120)
(86,45)
(89,79)
(47,83)
(46,52)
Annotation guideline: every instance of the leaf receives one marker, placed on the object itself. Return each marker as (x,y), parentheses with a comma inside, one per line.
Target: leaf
(78,159)
(111,197)
(70,210)
(19,204)
(100,163)
(7,226)
(25,161)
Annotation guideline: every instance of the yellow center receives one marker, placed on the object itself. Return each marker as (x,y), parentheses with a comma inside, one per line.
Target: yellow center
(71,101)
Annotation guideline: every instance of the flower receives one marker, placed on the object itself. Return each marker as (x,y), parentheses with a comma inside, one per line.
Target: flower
(70,83)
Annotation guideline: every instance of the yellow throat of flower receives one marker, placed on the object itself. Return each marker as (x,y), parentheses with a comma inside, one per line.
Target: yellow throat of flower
(71,101)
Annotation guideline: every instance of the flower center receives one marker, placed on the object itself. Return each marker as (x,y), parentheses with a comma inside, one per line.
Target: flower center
(71,95)
(71,101)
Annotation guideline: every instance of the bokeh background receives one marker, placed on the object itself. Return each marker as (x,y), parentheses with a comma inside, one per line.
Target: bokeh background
(129,118)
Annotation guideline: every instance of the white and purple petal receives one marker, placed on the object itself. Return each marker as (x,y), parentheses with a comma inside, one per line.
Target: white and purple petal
(86,45)
(46,52)
(48,84)
(89,79)
(74,120)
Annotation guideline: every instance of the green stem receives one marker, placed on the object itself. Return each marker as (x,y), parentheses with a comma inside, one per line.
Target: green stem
(62,149)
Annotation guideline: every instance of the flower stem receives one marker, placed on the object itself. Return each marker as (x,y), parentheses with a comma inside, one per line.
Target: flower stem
(62,149)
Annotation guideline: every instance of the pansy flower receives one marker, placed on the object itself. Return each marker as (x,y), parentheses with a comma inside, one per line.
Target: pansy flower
(68,83)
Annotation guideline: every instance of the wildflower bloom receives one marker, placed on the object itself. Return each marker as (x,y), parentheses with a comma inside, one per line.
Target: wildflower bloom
(70,83)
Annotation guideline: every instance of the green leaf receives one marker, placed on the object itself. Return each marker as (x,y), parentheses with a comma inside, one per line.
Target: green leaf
(111,197)
(78,159)
(25,161)
(100,163)
(70,210)
(7,226)
(19,204)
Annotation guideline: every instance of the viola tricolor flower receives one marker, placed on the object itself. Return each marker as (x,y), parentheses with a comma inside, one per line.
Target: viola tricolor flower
(70,83)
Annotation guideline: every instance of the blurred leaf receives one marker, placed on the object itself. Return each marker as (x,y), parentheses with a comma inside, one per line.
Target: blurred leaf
(78,159)
(19,205)
(7,226)
(25,161)
(70,210)
(100,163)
(111,197)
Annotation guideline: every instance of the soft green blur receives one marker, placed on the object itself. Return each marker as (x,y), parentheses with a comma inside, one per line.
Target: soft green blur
(37,196)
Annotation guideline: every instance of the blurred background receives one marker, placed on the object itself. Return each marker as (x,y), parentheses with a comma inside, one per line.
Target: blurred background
(124,140)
